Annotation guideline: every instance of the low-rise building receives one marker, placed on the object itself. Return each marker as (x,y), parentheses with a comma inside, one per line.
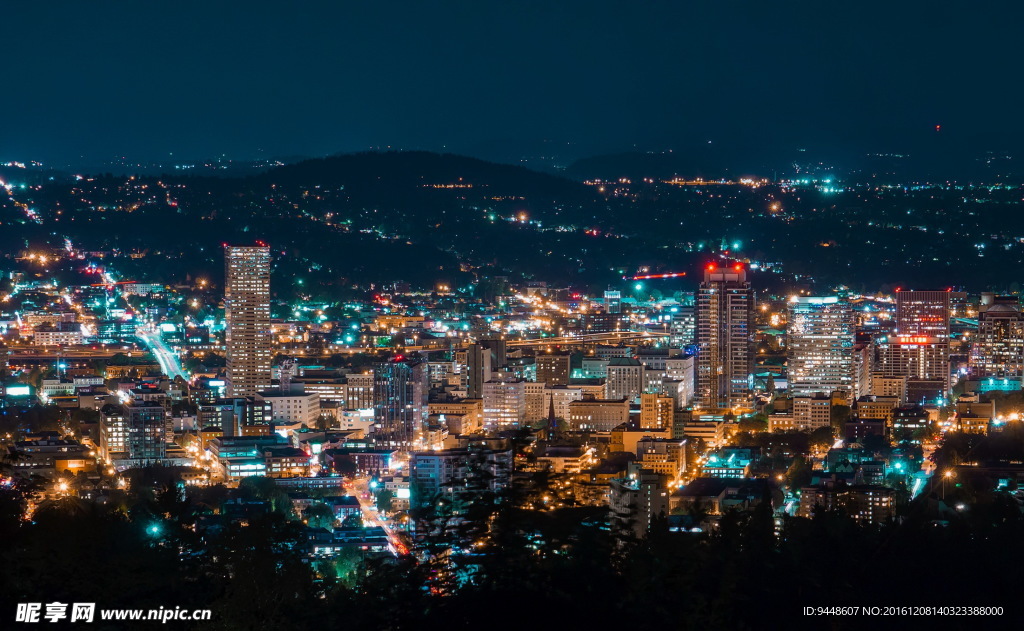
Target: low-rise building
(292,405)
(285,462)
(58,334)
(713,433)
(665,456)
(716,496)
(865,503)
(598,415)
(447,473)
(636,500)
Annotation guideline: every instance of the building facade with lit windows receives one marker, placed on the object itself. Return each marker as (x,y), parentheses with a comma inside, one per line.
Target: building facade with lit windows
(998,348)
(820,339)
(625,378)
(812,412)
(147,431)
(636,500)
(359,394)
(400,391)
(285,462)
(113,430)
(683,327)
(866,504)
(444,473)
(598,415)
(725,357)
(656,411)
(247,315)
(919,349)
(292,405)
(504,402)
(554,369)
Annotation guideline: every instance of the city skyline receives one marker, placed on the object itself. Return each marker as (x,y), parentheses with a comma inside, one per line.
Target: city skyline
(393,315)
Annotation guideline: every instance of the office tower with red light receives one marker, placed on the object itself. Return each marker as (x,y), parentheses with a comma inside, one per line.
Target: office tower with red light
(919,349)
(725,356)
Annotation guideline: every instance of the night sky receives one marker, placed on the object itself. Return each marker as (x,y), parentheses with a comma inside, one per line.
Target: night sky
(87,81)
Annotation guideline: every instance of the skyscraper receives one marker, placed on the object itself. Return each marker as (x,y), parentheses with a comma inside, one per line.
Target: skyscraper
(683,328)
(400,408)
(922,313)
(247,312)
(4,374)
(504,401)
(483,358)
(819,341)
(920,349)
(725,358)
(998,349)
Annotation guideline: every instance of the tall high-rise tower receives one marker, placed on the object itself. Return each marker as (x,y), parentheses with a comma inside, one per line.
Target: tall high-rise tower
(483,358)
(819,342)
(247,312)
(400,391)
(922,314)
(4,374)
(998,349)
(725,357)
(920,349)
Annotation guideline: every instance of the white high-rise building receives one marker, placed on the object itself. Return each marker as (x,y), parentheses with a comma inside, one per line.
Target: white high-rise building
(819,340)
(504,402)
(247,313)
(998,349)
(625,378)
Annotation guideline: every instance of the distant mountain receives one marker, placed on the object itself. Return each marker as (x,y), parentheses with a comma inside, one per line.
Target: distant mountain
(352,222)
(659,165)
(934,155)
(690,160)
(380,177)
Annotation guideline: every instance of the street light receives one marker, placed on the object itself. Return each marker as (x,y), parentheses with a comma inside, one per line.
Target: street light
(948,474)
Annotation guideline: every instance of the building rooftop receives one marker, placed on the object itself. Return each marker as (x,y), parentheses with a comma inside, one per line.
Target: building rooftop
(623,361)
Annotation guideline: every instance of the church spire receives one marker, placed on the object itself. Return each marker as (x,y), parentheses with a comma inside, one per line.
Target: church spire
(552,422)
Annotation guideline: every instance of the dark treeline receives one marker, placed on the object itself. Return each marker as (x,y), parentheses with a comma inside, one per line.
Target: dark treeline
(557,569)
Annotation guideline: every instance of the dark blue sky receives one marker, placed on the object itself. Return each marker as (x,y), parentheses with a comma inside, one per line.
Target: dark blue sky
(85,81)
